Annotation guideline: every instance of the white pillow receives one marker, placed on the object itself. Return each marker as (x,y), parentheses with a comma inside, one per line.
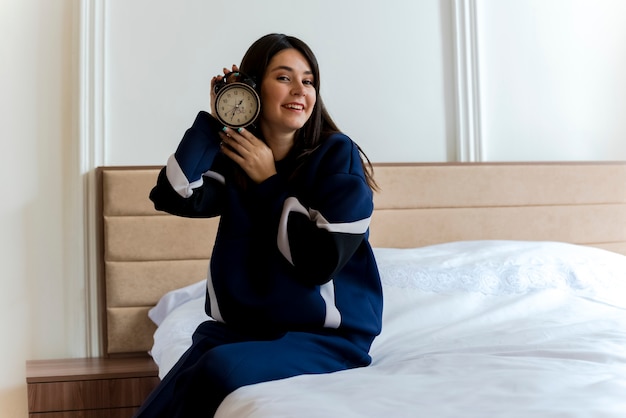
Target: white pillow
(172,299)
(504,267)
(173,336)
(488,266)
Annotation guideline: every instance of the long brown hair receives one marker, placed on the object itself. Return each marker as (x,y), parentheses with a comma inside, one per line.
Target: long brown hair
(320,125)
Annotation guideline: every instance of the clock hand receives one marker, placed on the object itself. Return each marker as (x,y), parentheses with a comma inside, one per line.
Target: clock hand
(236,109)
(233,111)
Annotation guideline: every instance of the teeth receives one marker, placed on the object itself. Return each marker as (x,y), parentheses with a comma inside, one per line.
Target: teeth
(295,106)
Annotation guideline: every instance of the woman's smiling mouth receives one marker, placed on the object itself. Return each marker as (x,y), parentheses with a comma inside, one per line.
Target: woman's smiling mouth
(294,106)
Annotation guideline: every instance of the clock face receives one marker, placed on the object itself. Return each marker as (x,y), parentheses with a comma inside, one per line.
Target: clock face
(237,105)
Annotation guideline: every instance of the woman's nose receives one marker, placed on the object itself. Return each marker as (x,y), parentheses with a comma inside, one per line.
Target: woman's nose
(298,90)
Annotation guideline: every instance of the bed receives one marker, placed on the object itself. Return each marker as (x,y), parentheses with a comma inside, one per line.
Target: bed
(504,290)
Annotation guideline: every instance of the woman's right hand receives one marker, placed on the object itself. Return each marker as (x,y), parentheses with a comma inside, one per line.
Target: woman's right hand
(254,156)
(217,78)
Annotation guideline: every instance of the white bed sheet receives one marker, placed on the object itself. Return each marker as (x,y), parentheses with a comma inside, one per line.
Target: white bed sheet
(472,329)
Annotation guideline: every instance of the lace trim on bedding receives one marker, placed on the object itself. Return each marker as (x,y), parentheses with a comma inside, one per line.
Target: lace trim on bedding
(495,268)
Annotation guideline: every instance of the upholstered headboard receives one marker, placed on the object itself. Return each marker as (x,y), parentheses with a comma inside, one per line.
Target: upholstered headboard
(146,253)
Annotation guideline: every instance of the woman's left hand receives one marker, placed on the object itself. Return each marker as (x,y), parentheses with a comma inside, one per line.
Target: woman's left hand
(249,152)
(215,80)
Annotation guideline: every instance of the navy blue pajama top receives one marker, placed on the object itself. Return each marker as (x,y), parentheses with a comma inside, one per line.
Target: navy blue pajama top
(291,253)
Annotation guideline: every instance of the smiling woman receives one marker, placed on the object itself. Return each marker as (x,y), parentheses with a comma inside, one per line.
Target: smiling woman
(288,95)
(287,183)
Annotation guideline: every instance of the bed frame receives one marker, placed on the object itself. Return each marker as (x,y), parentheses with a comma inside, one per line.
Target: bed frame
(145,253)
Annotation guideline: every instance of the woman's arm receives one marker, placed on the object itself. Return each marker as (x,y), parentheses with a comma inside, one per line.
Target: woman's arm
(189,185)
(320,235)
(319,242)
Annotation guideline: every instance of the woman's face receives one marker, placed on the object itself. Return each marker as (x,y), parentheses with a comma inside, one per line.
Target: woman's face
(287,92)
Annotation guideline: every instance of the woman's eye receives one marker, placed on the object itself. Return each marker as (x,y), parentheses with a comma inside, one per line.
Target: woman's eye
(308,82)
(283,78)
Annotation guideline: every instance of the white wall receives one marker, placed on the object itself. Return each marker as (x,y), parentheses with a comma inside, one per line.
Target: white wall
(386,73)
(552,84)
(550,87)
(41,311)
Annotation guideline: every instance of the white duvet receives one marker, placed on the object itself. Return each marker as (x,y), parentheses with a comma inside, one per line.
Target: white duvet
(470,329)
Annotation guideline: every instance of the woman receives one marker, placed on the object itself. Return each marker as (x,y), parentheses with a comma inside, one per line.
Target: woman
(293,285)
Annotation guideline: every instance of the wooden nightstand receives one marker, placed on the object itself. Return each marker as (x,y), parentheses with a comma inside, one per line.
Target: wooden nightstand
(89,388)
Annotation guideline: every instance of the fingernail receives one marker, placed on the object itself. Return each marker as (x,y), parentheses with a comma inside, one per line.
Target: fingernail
(224,129)
(239,130)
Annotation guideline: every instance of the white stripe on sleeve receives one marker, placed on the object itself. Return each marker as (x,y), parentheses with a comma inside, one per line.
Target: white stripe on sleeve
(356,227)
(178,180)
(291,205)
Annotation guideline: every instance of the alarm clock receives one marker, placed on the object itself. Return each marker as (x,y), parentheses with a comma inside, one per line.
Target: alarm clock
(237,103)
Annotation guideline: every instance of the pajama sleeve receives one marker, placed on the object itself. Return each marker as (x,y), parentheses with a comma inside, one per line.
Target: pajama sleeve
(194,156)
(182,188)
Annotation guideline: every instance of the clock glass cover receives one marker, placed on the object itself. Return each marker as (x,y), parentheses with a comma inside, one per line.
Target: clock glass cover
(237,105)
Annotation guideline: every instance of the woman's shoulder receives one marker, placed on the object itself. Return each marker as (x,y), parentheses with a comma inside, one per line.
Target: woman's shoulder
(338,138)
(339,143)
(339,153)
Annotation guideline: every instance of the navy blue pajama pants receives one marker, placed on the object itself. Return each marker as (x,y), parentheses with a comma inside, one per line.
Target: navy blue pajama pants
(221,360)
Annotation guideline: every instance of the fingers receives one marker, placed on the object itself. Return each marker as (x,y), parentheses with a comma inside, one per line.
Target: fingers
(233,69)
(237,139)
(232,142)
(216,80)
(220,77)
(241,143)
(249,152)
(225,71)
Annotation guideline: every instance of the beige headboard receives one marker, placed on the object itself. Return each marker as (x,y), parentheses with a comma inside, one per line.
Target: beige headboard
(146,253)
